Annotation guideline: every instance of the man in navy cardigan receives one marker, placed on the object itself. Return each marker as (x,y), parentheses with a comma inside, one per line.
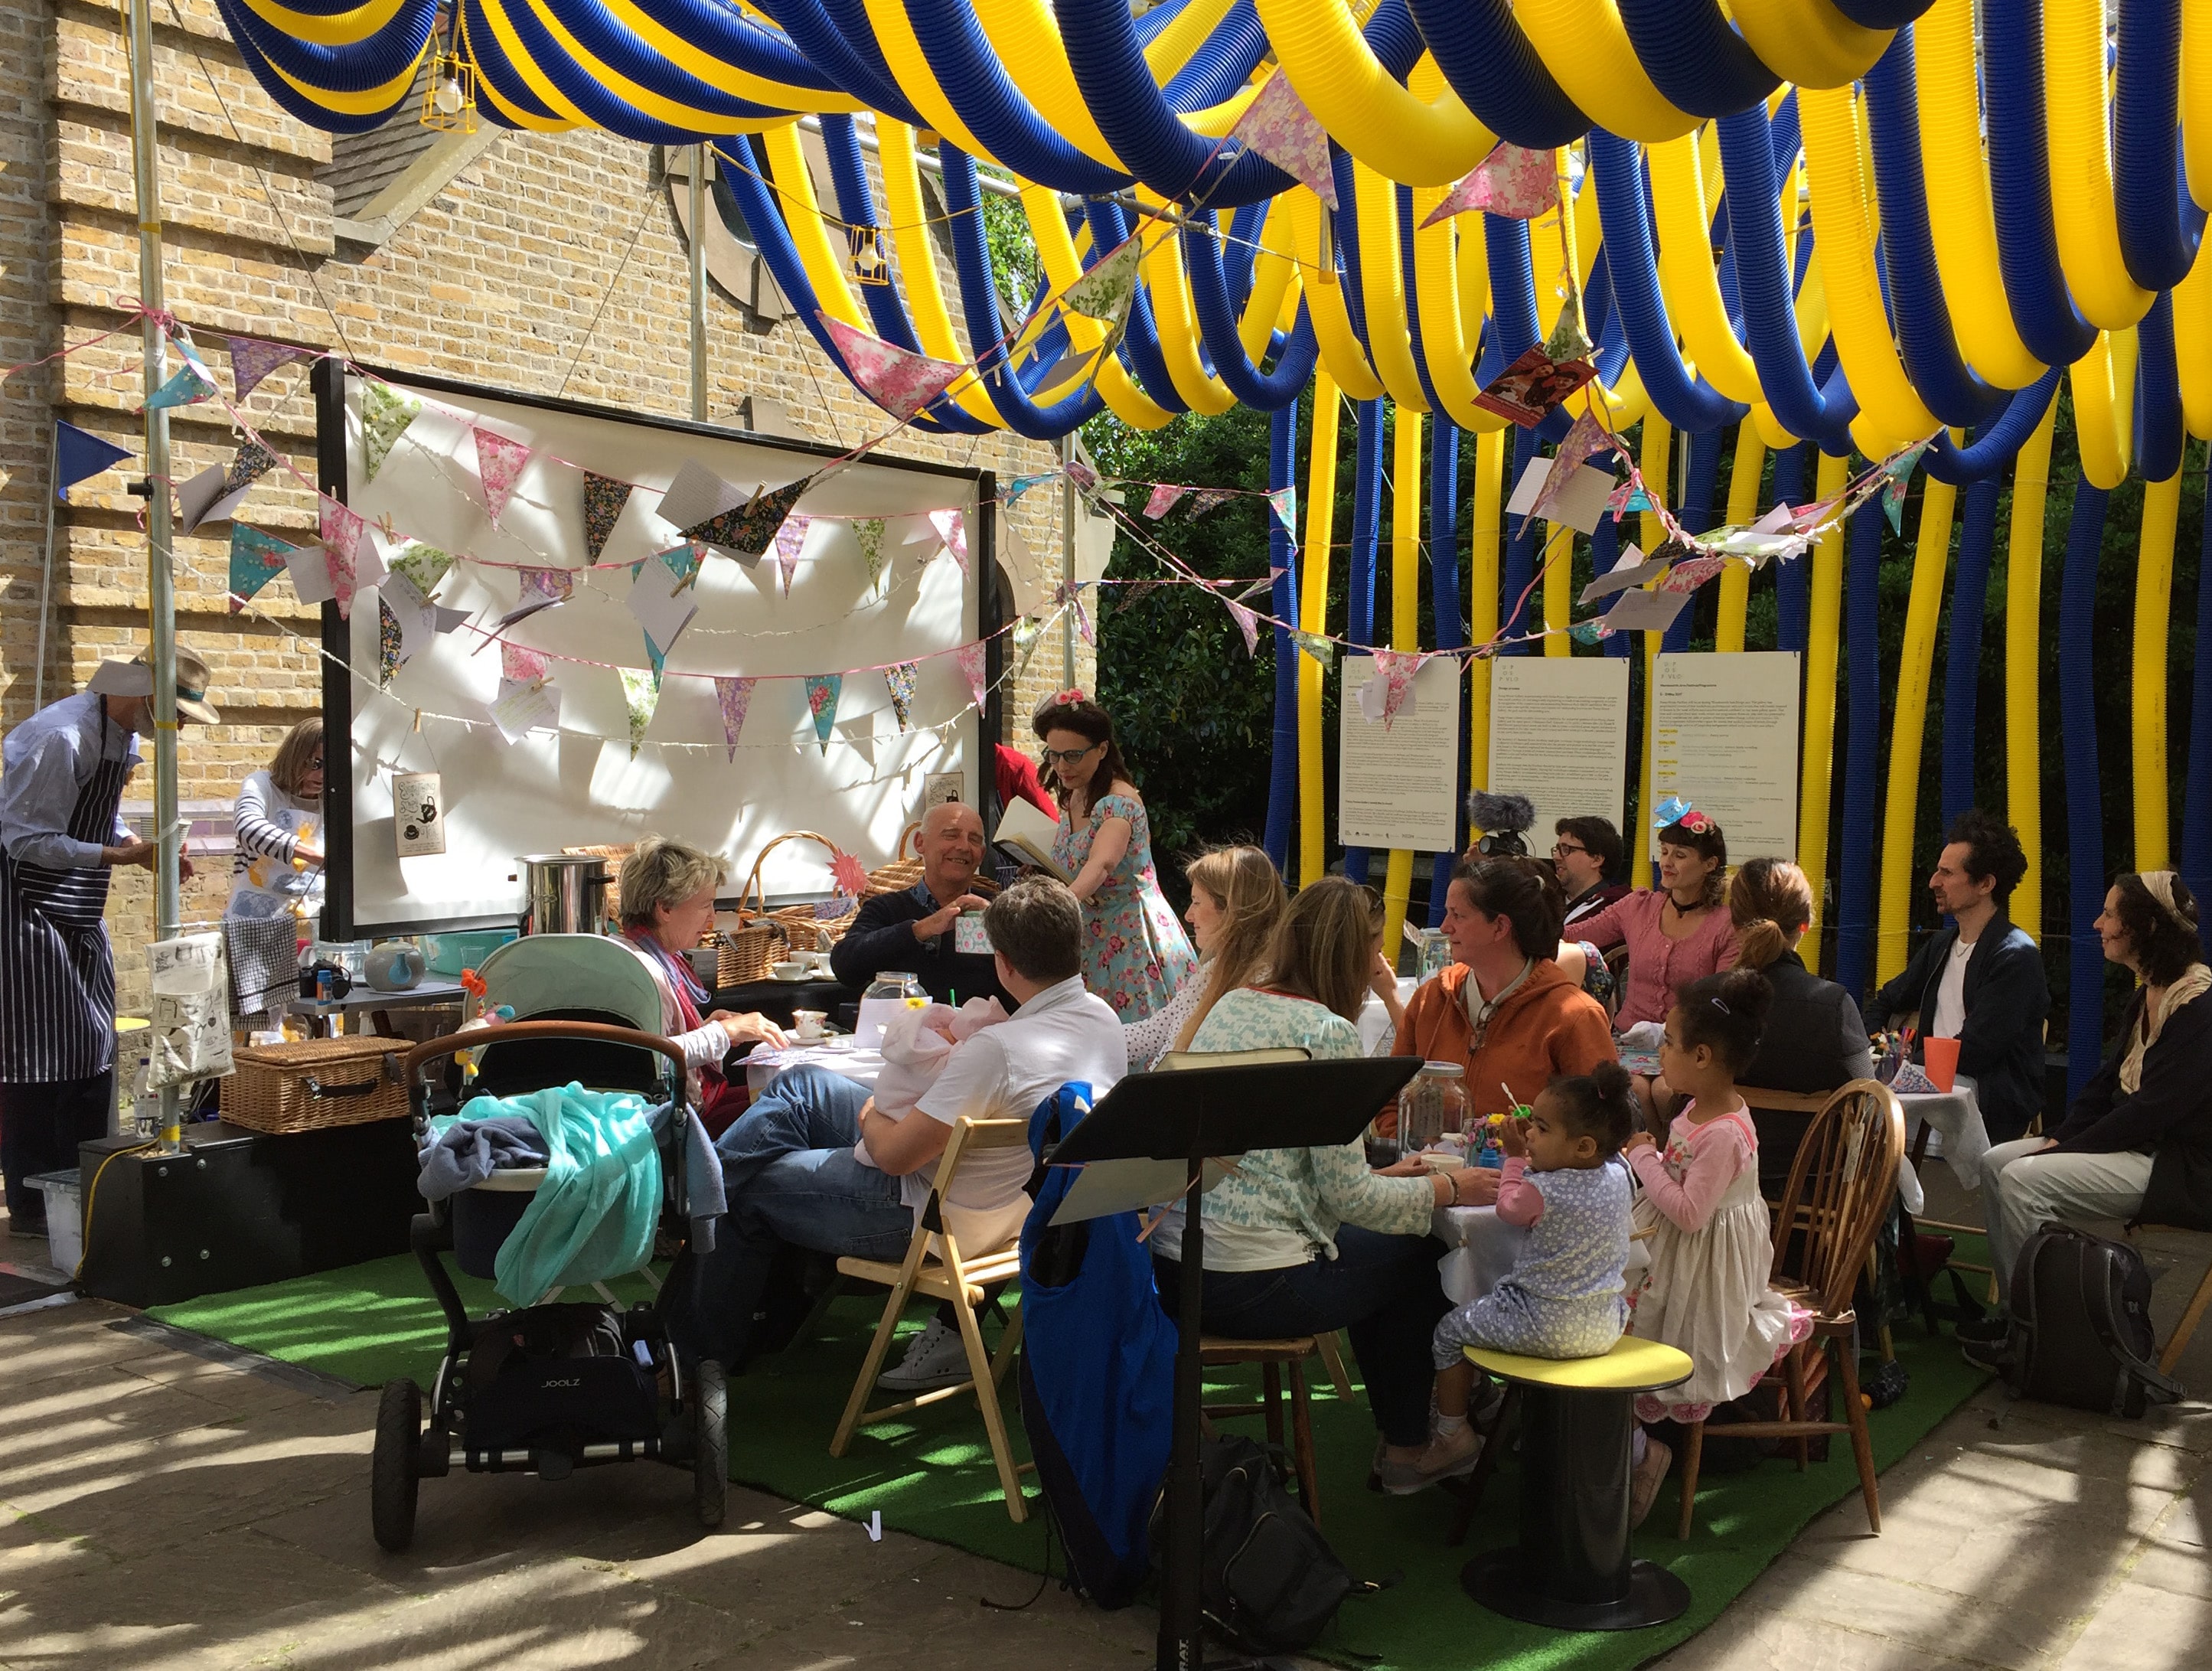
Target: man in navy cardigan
(913,930)
(1981,981)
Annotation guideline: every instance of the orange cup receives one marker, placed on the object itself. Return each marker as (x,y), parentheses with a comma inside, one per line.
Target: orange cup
(1939,1056)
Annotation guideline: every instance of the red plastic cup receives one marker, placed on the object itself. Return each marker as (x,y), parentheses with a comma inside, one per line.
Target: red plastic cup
(1939,1056)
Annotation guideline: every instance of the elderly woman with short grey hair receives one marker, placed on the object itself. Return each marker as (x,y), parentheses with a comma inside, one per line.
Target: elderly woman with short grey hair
(666,902)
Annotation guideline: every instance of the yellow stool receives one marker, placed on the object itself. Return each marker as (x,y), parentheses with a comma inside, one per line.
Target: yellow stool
(1572,1569)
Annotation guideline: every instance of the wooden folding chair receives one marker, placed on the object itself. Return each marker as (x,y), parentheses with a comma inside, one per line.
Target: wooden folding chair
(1841,1187)
(2178,1342)
(935,1269)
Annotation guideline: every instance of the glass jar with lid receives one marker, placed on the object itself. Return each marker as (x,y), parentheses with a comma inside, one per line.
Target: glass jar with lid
(891,991)
(1432,1108)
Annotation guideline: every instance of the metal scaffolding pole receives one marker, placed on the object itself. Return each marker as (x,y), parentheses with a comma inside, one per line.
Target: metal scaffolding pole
(161,593)
(699,283)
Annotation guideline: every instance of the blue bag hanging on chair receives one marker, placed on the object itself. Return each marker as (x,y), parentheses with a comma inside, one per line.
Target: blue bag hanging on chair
(1097,1373)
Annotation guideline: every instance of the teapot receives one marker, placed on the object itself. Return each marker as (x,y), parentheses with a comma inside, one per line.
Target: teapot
(395,965)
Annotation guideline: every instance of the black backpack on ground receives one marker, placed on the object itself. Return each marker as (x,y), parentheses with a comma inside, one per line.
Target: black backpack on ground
(2082,1333)
(1268,1581)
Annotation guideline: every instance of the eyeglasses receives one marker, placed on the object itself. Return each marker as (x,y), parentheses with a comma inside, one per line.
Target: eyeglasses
(1561,849)
(1068,756)
(316,765)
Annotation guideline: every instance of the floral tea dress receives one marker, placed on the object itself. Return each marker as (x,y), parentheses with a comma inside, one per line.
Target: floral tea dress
(1134,952)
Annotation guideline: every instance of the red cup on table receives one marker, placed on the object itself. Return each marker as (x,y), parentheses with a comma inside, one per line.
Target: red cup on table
(1939,1056)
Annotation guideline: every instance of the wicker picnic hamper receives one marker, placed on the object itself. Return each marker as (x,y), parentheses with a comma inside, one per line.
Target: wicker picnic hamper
(744,953)
(312,1084)
(802,926)
(901,873)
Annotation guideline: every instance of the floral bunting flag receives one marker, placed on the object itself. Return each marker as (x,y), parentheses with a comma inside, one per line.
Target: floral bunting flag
(556,585)
(641,687)
(252,360)
(1692,573)
(751,529)
(249,464)
(1206,498)
(500,459)
(1629,496)
(1247,623)
(341,530)
(387,643)
(603,499)
(790,541)
(1084,478)
(1513,181)
(951,525)
(822,693)
(1278,125)
(1320,648)
(519,664)
(682,560)
(973,668)
(1106,291)
(1071,597)
(734,695)
(1022,485)
(1586,632)
(386,412)
(900,381)
(900,680)
(869,533)
(1165,497)
(187,386)
(1284,502)
(1026,632)
(1569,340)
(1585,437)
(256,559)
(425,565)
(1394,672)
(654,654)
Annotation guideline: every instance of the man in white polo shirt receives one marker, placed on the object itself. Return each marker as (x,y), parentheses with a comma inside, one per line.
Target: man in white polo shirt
(793,1177)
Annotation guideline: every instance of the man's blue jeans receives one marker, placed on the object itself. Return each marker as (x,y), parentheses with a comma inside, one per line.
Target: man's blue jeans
(788,1168)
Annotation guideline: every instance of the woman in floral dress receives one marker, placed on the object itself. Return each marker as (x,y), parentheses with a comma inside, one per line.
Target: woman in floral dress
(1134,952)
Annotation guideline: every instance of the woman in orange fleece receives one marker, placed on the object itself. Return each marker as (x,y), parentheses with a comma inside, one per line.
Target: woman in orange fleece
(1503,1007)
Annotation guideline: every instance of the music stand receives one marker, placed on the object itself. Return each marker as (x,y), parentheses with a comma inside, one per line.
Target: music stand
(1192,1116)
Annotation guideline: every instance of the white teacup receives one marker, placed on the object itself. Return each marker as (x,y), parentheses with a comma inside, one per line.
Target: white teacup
(789,971)
(807,1024)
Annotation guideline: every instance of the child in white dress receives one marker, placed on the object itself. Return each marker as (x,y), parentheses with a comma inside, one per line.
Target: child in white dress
(1708,1237)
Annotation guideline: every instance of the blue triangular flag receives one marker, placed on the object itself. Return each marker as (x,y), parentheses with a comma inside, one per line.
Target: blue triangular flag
(654,653)
(255,560)
(187,388)
(79,453)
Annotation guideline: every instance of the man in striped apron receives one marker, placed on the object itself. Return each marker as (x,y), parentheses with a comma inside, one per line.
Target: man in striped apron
(61,832)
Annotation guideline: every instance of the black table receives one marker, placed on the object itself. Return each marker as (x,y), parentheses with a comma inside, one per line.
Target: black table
(777,1000)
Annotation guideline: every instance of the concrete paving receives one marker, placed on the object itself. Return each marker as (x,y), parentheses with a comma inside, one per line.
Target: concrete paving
(166,1512)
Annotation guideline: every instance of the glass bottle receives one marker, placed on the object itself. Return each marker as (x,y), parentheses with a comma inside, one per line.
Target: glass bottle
(891,991)
(1432,1108)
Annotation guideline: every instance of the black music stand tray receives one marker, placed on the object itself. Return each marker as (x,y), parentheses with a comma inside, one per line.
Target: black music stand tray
(1191,1116)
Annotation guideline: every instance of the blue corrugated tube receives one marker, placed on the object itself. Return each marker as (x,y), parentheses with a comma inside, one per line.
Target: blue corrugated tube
(1992,451)
(260,45)
(844,48)
(1294,354)
(728,34)
(2161,224)
(2085,812)
(1497,73)
(984,97)
(1695,57)
(2019,188)
(1962,655)
(1793,599)
(2158,431)
(1855,848)
(1140,341)
(1282,558)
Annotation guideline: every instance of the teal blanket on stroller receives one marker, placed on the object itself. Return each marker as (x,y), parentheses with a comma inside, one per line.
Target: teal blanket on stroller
(594,1216)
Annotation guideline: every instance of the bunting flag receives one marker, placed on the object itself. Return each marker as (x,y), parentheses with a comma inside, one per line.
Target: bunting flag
(1586,632)
(1284,502)
(1278,125)
(790,541)
(256,559)
(1071,597)
(1165,497)
(735,695)
(1585,437)
(78,454)
(822,690)
(655,655)
(387,643)
(898,379)
(1893,505)
(951,525)
(603,499)
(1022,485)
(519,665)
(971,658)
(1390,686)
(1568,341)
(900,680)
(1630,496)
(1072,370)
(500,459)
(555,585)
(747,531)
(1206,498)
(1322,649)
(869,533)
(1247,623)
(252,360)
(1084,478)
(1513,181)
(1025,634)
(641,687)
(386,412)
(1692,573)
(341,530)
(423,565)
(1106,291)
(187,386)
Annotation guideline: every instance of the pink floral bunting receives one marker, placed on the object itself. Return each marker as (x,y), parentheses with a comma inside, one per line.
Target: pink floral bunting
(341,530)
(899,381)
(1165,497)
(1247,623)
(951,525)
(554,585)
(1692,573)
(252,360)
(1393,671)
(734,695)
(822,690)
(790,540)
(1278,125)
(500,459)
(1585,438)
(520,665)
(1513,181)
(973,668)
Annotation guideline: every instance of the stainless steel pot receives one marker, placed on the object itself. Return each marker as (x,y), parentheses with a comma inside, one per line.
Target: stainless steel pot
(563,893)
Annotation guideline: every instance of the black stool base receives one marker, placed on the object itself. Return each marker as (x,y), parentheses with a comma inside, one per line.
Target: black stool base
(1501,1581)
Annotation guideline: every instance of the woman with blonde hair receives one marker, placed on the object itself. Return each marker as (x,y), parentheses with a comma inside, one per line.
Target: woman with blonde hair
(666,892)
(1236,898)
(277,878)
(1814,1040)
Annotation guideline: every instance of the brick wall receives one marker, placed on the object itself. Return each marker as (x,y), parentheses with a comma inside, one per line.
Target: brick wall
(498,280)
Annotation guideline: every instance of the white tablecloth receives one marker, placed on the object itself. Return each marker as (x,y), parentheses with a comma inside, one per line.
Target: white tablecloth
(1956,1115)
(762,1066)
(1483,1248)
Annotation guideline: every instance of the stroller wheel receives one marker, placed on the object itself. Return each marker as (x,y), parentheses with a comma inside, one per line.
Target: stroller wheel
(393,1477)
(710,1442)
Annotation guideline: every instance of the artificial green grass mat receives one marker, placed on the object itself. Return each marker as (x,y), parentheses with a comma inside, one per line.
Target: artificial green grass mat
(929,1473)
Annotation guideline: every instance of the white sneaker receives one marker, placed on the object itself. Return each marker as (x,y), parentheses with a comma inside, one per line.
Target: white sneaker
(936,1358)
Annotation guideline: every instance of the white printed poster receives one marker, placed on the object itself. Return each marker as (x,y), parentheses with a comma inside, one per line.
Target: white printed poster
(1558,735)
(1398,780)
(1724,738)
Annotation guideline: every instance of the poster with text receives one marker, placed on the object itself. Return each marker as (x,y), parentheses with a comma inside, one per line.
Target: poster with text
(1397,781)
(1558,735)
(1724,738)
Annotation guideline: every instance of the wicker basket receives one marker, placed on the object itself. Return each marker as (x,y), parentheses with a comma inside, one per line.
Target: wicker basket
(800,926)
(901,873)
(745,953)
(313,1085)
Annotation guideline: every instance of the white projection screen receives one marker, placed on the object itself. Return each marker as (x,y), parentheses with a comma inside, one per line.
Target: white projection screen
(579,784)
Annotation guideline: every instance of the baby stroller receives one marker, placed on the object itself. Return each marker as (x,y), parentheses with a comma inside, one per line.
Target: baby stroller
(550,1387)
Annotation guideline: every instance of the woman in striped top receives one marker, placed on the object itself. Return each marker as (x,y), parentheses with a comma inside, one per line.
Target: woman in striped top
(276,879)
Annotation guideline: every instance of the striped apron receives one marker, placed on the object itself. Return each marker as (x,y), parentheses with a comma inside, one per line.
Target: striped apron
(58,1020)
